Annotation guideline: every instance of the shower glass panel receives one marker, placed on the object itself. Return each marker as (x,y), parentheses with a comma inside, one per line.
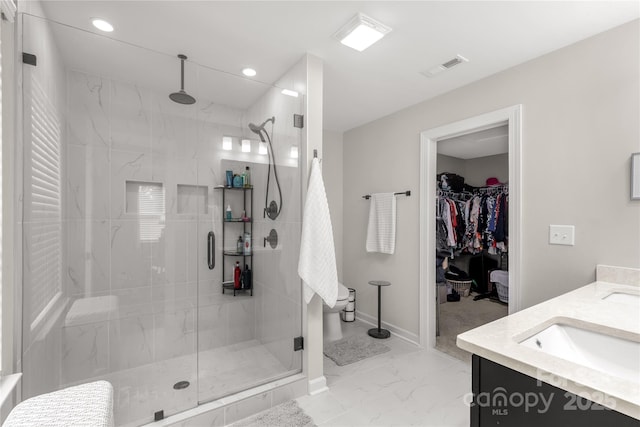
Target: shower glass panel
(119,198)
(244,340)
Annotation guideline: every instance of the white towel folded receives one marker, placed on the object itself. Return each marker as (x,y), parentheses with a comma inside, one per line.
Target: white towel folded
(317,263)
(381,232)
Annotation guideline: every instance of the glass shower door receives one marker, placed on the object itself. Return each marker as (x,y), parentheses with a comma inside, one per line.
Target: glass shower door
(245,338)
(110,240)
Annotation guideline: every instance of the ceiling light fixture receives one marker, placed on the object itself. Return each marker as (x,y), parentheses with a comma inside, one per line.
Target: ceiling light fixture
(249,72)
(290,92)
(361,32)
(102,25)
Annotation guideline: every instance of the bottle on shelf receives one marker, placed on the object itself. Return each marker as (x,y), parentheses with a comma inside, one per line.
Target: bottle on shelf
(247,177)
(229,215)
(246,277)
(237,273)
(240,245)
(247,243)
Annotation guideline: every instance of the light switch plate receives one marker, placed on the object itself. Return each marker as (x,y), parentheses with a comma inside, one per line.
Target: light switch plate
(562,235)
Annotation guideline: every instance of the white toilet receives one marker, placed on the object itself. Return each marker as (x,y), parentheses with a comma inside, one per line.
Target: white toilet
(331,316)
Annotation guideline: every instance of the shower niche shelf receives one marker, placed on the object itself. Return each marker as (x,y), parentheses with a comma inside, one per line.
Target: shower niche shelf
(240,199)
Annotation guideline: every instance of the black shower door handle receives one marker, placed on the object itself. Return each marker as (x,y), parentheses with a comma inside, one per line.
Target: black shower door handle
(211,250)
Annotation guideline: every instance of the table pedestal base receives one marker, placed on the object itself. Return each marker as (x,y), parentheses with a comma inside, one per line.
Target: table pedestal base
(379,333)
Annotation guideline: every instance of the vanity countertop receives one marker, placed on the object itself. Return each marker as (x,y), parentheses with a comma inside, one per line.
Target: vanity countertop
(584,308)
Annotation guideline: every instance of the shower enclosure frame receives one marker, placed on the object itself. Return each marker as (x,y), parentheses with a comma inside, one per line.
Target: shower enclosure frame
(295,381)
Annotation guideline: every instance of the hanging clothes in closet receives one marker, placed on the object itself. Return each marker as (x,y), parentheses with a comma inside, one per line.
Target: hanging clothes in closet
(474,220)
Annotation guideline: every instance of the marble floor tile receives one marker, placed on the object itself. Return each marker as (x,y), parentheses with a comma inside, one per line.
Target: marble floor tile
(405,386)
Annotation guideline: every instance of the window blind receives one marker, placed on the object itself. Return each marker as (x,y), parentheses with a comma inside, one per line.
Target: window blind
(46,237)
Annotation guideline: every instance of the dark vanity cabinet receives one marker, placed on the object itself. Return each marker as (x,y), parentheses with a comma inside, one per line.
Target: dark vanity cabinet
(508,398)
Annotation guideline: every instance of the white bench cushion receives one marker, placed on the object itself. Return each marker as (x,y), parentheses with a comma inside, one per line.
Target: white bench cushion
(85,405)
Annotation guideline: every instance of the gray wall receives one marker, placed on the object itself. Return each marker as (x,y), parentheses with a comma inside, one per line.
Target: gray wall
(580,125)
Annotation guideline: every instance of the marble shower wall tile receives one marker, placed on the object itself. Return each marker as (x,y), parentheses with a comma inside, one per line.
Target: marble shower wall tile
(130,256)
(130,117)
(88,182)
(88,271)
(131,342)
(89,107)
(241,321)
(172,172)
(173,128)
(212,326)
(85,351)
(175,333)
(174,254)
(127,166)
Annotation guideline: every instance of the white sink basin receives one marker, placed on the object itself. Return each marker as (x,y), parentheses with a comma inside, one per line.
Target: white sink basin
(623,298)
(612,355)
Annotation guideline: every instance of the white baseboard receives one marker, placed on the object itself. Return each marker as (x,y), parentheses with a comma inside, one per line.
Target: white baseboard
(395,330)
(318,385)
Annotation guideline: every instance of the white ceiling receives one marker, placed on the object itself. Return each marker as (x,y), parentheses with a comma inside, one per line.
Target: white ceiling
(359,86)
(488,142)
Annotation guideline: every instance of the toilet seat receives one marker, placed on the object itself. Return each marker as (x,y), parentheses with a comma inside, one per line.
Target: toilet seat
(332,327)
(343,292)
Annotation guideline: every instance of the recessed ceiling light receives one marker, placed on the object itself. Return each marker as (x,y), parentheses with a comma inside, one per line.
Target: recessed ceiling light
(249,72)
(361,32)
(102,25)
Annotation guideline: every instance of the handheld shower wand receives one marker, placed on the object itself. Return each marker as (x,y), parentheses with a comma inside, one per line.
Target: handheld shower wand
(272,210)
(259,129)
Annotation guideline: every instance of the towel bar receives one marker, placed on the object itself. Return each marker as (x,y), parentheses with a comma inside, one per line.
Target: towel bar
(401,193)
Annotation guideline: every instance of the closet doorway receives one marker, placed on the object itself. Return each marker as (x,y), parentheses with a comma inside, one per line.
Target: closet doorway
(470,174)
(472,242)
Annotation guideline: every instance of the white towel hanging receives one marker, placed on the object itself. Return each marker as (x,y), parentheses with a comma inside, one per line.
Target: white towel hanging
(317,263)
(381,231)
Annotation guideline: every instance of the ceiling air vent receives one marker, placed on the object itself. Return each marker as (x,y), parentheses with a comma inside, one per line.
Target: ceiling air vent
(459,59)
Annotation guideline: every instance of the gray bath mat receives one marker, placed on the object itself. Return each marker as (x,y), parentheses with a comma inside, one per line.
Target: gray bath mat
(352,349)
(286,414)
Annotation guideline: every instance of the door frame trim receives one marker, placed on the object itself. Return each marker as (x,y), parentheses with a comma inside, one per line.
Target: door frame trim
(428,154)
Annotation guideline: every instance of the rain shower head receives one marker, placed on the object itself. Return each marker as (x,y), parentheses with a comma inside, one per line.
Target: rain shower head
(182,97)
(258,129)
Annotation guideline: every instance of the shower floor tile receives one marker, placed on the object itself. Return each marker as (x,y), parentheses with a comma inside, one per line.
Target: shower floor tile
(140,392)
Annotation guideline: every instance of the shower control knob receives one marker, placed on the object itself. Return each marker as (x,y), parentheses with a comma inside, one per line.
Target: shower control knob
(272,238)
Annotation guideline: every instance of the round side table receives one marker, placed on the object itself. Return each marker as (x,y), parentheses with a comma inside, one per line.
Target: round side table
(379,332)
